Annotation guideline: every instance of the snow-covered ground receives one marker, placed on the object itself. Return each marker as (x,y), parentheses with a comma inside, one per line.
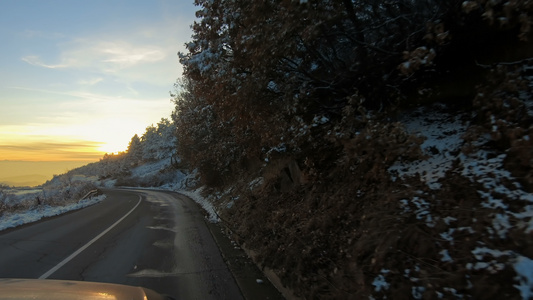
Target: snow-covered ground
(150,169)
(203,202)
(62,194)
(25,191)
(443,140)
(500,191)
(182,182)
(10,220)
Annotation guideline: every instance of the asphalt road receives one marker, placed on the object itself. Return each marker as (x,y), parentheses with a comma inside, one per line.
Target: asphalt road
(143,238)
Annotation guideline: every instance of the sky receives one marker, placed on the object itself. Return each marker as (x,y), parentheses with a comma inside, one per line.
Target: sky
(79,78)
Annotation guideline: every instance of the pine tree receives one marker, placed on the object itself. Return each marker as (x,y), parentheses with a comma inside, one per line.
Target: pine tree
(135,151)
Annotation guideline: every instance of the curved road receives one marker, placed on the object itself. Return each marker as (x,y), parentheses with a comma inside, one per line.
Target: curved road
(143,238)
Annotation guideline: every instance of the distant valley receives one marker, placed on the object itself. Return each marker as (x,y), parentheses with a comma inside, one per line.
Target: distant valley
(25,180)
(32,173)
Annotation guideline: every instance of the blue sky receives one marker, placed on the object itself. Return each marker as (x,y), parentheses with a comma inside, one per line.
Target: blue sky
(80,78)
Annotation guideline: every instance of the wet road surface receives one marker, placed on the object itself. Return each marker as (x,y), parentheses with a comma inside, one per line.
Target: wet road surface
(153,239)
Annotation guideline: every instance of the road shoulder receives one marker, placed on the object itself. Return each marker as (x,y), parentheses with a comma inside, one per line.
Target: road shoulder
(252,282)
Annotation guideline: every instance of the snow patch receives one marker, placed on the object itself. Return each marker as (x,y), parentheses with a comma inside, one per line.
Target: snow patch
(443,139)
(445,256)
(149,169)
(206,204)
(37,213)
(417,292)
(490,173)
(524,270)
(421,209)
(379,282)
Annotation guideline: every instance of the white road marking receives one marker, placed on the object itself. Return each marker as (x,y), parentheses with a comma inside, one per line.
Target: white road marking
(70,257)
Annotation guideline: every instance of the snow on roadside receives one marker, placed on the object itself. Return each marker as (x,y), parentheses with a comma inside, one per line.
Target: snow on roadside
(181,182)
(181,185)
(10,220)
(196,195)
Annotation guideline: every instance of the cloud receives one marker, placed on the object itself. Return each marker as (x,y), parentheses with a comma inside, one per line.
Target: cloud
(84,115)
(51,150)
(35,61)
(52,146)
(75,105)
(111,55)
(124,54)
(143,54)
(106,56)
(91,81)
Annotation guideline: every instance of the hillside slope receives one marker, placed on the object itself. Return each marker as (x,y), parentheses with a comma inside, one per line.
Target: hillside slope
(430,203)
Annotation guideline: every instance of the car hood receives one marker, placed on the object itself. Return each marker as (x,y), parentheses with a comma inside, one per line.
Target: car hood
(66,289)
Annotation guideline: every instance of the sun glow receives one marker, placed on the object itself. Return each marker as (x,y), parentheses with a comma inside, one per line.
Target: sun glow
(112,147)
(82,139)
